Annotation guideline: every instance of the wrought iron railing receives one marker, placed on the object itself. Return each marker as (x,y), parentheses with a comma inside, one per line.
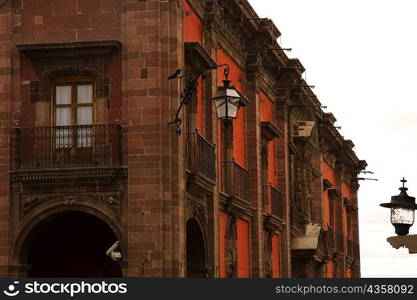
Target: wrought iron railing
(340,245)
(277,202)
(330,233)
(240,182)
(68,146)
(202,156)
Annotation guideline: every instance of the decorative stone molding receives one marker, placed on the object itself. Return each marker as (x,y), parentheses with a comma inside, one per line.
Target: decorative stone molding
(231,247)
(268,253)
(67,177)
(52,61)
(198,212)
(30,202)
(270,131)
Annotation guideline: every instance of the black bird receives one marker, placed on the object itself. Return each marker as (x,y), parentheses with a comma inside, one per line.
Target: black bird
(175,74)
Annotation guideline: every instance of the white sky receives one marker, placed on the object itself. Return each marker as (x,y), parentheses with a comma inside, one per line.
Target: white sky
(362,58)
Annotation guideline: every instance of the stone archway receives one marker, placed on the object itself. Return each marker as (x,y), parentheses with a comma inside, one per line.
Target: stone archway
(196,251)
(70,244)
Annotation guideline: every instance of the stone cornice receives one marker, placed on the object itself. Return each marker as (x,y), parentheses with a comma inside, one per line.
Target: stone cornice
(69,50)
(70,176)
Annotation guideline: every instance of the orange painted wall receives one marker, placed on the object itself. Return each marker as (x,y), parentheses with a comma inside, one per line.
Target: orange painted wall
(266,107)
(193,33)
(266,110)
(271,163)
(328,172)
(349,273)
(326,207)
(329,269)
(236,76)
(242,249)
(346,190)
(276,255)
(222,234)
(192,24)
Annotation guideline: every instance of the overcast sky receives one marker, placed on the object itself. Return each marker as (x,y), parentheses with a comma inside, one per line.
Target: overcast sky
(362,57)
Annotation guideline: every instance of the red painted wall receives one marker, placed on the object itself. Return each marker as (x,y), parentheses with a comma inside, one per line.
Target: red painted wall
(346,190)
(349,273)
(276,255)
(329,269)
(267,114)
(193,33)
(242,248)
(222,234)
(266,107)
(271,163)
(192,24)
(236,76)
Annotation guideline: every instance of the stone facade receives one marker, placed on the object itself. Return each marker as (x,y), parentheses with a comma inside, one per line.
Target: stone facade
(255,197)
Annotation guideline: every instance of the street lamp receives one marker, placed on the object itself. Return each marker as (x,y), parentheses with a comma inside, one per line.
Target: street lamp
(227,100)
(402,210)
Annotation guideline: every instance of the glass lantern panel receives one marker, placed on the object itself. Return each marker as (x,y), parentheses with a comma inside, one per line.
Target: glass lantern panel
(220,108)
(402,216)
(232,107)
(232,93)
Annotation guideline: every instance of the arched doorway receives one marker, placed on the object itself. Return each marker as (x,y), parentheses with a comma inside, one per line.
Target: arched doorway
(71,244)
(196,253)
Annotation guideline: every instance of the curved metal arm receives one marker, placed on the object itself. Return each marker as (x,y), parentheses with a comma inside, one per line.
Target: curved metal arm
(188,91)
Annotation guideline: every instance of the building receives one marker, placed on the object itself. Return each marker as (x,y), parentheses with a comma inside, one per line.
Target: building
(90,156)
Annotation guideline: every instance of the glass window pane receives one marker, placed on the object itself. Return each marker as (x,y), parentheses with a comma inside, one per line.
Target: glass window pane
(84,94)
(63,94)
(63,116)
(84,115)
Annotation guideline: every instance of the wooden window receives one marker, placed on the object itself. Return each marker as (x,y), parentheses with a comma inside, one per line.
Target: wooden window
(73,113)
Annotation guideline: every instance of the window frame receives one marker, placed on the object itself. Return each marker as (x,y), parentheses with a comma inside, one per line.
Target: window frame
(73,81)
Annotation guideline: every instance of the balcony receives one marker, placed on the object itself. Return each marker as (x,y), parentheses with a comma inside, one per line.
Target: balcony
(340,246)
(201,156)
(66,147)
(240,181)
(330,233)
(276,201)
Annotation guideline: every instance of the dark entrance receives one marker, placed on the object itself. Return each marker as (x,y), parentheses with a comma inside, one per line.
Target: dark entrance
(71,245)
(196,256)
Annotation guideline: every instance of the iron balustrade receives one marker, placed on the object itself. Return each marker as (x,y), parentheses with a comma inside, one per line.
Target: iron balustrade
(349,246)
(202,156)
(340,246)
(68,147)
(330,232)
(240,182)
(277,202)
